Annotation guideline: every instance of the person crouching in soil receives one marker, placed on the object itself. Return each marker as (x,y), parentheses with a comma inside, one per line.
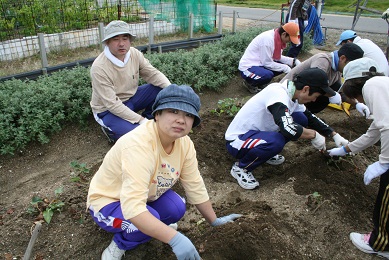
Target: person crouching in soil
(273,117)
(365,83)
(131,196)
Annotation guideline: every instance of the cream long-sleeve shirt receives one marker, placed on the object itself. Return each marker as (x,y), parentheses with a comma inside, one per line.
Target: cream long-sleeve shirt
(137,170)
(322,61)
(376,95)
(112,85)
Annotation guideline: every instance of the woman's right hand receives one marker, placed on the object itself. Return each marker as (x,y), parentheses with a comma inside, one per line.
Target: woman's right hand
(183,248)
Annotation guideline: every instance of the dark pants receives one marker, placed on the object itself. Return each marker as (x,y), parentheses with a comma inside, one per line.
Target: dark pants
(260,76)
(379,236)
(256,147)
(294,49)
(143,99)
(169,208)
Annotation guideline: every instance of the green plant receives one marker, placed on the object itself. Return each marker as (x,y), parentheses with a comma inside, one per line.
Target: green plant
(228,106)
(80,171)
(46,207)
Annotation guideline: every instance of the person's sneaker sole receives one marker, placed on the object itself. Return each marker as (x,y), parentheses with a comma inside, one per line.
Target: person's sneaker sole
(280,160)
(251,89)
(107,134)
(358,243)
(242,184)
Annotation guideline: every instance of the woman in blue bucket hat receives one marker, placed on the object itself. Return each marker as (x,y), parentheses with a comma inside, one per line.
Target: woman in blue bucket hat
(131,196)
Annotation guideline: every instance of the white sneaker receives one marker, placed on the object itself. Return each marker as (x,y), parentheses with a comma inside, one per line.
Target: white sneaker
(276,160)
(361,241)
(245,179)
(112,252)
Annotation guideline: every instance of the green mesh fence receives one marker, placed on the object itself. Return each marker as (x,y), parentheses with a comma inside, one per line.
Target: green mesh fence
(178,12)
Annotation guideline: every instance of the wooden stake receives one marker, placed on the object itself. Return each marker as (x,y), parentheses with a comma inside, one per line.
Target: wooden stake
(35,233)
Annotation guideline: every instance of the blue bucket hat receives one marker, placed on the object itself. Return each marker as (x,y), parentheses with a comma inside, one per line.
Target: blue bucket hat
(179,97)
(346,35)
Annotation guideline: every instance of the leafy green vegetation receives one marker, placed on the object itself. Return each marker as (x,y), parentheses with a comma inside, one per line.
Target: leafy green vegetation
(228,106)
(46,207)
(80,172)
(330,6)
(33,110)
(52,16)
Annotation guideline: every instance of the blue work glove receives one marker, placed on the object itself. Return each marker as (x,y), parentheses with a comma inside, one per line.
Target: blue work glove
(374,170)
(339,140)
(183,248)
(223,220)
(341,151)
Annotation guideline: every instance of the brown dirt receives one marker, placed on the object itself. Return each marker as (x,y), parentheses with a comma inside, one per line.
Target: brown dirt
(282,219)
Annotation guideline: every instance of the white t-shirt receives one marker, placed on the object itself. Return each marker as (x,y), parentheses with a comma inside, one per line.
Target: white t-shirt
(372,51)
(254,115)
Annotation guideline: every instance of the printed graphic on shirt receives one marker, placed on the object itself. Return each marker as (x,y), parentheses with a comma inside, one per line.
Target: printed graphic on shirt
(166,178)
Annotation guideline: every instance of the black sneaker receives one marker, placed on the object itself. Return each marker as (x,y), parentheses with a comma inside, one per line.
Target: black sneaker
(108,134)
(251,88)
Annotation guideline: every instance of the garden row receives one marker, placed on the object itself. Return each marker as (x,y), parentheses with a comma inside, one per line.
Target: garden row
(33,110)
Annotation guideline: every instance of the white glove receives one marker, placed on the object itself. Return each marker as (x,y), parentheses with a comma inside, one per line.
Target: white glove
(341,151)
(144,120)
(337,99)
(385,15)
(305,23)
(363,110)
(374,170)
(287,69)
(319,142)
(339,140)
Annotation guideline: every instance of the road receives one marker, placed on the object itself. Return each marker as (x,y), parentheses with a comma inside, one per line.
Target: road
(364,24)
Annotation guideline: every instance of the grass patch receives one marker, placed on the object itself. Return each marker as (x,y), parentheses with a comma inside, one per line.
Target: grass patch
(330,6)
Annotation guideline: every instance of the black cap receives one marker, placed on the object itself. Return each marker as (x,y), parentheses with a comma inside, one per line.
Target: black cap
(315,78)
(351,51)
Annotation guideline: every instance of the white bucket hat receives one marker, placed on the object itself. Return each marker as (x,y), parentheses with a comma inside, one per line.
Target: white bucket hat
(115,28)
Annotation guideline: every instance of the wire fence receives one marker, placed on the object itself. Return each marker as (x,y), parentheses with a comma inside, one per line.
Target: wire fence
(29,26)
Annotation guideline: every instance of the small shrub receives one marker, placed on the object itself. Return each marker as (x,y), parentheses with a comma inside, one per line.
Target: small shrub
(46,207)
(80,172)
(228,106)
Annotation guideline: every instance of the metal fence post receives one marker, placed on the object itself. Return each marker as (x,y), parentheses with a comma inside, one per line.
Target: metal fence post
(234,15)
(191,25)
(220,29)
(101,34)
(42,50)
(151,32)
